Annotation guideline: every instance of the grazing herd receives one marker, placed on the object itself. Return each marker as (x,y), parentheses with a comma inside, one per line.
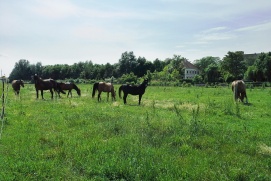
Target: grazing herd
(54,86)
(238,89)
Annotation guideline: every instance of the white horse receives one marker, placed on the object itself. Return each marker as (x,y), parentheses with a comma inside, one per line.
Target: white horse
(239,90)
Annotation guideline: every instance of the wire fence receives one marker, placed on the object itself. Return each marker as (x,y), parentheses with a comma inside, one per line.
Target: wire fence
(4,95)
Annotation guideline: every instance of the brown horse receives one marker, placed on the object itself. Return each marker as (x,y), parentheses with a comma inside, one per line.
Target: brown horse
(46,84)
(69,86)
(239,90)
(16,85)
(104,87)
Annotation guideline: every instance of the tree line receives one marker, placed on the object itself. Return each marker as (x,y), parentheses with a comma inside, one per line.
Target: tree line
(129,68)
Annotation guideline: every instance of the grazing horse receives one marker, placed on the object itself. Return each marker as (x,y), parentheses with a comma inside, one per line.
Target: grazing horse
(46,84)
(69,86)
(104,87)
(134,90)
(239,90)
(16,85)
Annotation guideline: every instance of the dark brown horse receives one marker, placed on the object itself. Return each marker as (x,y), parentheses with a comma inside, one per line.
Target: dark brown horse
(16,85)
(46,84)
(133,90)
(69,86)
(239,90)
(103,87)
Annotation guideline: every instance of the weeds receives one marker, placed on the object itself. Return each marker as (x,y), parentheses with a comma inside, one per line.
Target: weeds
(194,137)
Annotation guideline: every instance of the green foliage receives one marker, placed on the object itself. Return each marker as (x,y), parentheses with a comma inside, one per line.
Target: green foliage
(233,65)
(128,78)
(167,72)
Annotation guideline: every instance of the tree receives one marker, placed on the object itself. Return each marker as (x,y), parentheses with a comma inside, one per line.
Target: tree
(127,62)
(21,70)
(158,65)
(197,79)
(233,66)
(139,69)
(128,78)
(36,69)
(212,73)
(263,67)
(204,63)
(251,73)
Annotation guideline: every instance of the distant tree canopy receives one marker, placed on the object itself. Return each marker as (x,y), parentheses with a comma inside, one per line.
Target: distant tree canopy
(129,68)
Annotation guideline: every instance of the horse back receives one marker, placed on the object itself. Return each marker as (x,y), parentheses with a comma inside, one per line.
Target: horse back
(15,85)
(105,87)
(133,90)
(45,84)
(240,85)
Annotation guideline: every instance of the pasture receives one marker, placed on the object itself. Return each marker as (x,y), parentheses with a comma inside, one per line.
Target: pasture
(177,133)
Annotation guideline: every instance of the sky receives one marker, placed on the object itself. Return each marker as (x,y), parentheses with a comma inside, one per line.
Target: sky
(71,31)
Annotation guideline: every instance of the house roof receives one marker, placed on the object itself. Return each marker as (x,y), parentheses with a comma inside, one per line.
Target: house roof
(189,65)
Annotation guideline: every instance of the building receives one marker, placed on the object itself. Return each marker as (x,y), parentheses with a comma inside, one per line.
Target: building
(190,70)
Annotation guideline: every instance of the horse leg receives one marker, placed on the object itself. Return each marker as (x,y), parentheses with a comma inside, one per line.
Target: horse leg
(71,92)
(99,96)
(41,92)
(113,97)
(37,92)
(107,96)
(244,95)
(124,98)
(52,93)
(139,98)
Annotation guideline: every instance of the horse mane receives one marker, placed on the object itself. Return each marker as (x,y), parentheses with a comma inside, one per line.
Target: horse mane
(75,86)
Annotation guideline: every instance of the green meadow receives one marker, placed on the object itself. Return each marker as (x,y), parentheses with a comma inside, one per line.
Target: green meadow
(177,133)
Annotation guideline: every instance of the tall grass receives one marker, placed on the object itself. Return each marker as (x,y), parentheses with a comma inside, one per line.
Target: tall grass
(178,133)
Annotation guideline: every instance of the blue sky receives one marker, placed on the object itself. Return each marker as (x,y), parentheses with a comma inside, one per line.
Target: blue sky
(69,31)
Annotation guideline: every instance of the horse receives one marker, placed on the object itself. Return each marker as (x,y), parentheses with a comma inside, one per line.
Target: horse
(69,86)
(104,87)
(16,85)
(46,84)
(133,90)
(239,90)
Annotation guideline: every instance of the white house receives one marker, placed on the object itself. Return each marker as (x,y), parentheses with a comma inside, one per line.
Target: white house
(190,70)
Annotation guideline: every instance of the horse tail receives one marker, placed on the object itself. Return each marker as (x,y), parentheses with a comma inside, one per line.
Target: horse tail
(244,90)
(95,87)
(120,89)
(235,91)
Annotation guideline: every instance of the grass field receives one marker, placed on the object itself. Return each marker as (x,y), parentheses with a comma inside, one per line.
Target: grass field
(192,133)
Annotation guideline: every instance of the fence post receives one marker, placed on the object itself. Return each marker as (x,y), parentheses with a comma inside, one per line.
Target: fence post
(3,98)
(4,80)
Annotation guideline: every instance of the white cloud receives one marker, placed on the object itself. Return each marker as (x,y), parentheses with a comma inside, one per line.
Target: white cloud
(259,27)
(54,9)
(70,31)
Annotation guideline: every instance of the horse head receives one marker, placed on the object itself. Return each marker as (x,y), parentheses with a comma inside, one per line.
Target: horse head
(78,92)
(21,82)
(36,78)
(145,82)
